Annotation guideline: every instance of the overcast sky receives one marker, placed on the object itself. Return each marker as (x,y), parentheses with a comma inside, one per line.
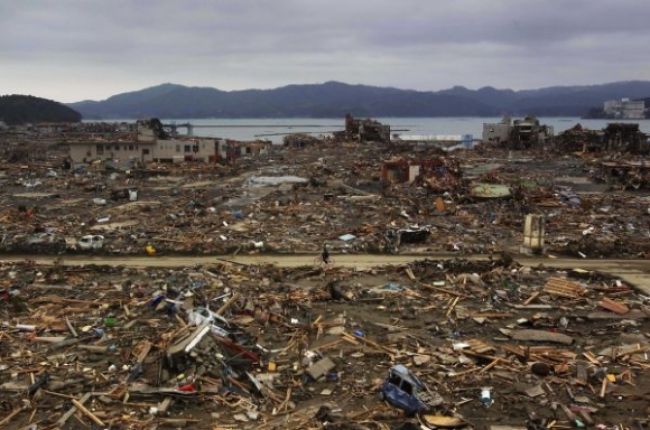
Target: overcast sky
(70,50)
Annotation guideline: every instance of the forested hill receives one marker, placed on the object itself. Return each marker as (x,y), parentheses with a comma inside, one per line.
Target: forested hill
(335,99)
(20,109)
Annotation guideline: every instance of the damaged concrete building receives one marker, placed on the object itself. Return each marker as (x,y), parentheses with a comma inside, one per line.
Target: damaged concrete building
(229,150)
(529,132)
(151,143)
(497,132)
(363,130)
(518,134)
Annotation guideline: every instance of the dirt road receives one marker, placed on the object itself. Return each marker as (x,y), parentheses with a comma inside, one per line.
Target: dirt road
(636,272)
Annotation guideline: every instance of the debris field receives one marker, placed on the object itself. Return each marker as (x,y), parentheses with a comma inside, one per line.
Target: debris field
(490,344)
(356,197)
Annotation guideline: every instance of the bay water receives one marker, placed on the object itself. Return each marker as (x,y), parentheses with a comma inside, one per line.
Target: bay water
(275,129)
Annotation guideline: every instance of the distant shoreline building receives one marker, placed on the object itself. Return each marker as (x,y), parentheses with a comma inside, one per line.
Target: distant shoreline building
(624,109)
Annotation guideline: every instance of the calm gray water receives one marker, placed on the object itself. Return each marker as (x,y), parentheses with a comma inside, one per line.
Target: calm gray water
(275,129)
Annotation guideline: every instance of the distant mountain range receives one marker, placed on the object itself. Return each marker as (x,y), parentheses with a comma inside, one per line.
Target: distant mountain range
(335,99)
(19,109)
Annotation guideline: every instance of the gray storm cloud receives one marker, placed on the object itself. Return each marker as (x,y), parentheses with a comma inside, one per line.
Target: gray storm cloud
(72,50)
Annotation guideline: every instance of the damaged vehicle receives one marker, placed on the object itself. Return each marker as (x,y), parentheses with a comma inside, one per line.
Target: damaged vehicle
(405,391)
(90,242)
(38,242)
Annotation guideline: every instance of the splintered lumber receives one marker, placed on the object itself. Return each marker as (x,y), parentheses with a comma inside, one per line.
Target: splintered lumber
(591,357)
(72,410)
(531,298)
(634,314)
(226,305)
(564,288)
(613,306)
(547,353)
(11,415)
(541,336)
(479,347)
(71,327)
(410,274)
(581,373)
(489,366)
(443,290)
(452,306)
(623,350)
(368,342)
(87,413)
(146,347)
(603,388)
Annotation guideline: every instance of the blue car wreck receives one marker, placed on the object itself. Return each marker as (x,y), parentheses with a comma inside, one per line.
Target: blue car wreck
(405,391)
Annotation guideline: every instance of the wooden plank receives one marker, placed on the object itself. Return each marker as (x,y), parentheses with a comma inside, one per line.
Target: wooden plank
(479,347)
(614,306)
(564,288)
(11,415)
(87,413)
(72,410)
(531,298)
(542,336)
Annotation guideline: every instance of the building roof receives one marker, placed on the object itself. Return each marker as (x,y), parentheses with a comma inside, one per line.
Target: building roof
(107,142)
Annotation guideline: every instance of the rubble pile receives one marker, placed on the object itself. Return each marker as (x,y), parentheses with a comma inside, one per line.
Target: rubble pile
(578,139)
(615,154)
(301,140)
(473,343)
(628,174)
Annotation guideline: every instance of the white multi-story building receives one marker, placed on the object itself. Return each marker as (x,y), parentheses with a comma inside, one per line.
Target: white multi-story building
(497,132)
(625,108)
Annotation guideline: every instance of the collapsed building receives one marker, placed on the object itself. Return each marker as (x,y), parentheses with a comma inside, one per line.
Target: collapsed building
(300,140)
(616,137)
(625,137)
(518,134)
(578,138)
(230,150)
(616,149)
(437,174)
(529,132)
(363,130)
